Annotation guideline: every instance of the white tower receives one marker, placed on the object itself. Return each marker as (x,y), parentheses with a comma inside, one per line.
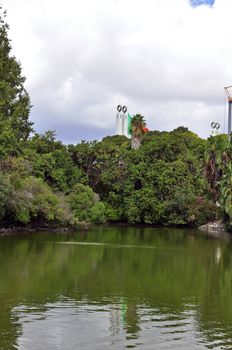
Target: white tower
(215,129)
(122,121)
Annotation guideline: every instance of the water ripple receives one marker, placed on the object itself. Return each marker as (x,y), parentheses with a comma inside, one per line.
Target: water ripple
(53,324)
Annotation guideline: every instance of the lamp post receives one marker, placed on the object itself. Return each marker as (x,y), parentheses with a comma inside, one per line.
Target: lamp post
(229,98)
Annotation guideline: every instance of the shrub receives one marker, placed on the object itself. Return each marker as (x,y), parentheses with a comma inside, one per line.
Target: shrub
(98,213)
(35,200)
(86,205)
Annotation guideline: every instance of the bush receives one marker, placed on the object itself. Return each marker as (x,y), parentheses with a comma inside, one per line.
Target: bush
(86,205)
(98,213)
(35,200)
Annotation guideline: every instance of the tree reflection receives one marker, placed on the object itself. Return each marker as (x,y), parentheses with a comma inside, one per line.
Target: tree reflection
(159,269)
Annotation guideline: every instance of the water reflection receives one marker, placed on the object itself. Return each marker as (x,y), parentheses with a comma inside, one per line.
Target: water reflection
(68,325)
(116,287)
(71,325)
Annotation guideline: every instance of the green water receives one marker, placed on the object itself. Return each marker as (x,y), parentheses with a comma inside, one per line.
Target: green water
(119,288)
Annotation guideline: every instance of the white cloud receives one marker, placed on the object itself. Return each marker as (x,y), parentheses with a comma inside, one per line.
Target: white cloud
(161,58)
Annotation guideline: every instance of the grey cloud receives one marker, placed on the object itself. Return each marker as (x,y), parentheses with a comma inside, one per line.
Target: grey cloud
(168,62)
(69,132)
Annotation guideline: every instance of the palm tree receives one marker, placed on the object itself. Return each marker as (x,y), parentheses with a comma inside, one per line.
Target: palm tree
(218,156)
(137,130)
(218,172)
(212,171)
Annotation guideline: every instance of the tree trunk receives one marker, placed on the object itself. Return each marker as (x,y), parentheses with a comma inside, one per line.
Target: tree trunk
(135,142)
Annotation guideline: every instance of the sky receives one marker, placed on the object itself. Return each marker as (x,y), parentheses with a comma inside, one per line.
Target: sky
(166,59)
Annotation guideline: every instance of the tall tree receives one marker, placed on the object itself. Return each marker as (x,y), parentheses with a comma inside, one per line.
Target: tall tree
(226,194)
(138,129)
(15,125)
(218,156)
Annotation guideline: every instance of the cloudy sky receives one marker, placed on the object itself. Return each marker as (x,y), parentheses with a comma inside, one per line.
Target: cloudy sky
(165,59)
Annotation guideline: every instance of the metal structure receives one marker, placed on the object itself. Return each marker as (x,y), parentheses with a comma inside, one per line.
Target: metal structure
(228,91)
(215,128)
(122,121)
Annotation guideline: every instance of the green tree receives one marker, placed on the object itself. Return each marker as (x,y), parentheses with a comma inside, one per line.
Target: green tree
(51,161)
(5,194)
(33,200)
(216,159)
(226,193)
(15,126)
(98,213)
(86,205)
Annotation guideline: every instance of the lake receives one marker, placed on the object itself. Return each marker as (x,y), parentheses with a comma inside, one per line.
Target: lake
(119,288)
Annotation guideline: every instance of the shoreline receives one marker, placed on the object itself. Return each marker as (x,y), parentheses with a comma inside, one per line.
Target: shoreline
(213,229)
(14,230)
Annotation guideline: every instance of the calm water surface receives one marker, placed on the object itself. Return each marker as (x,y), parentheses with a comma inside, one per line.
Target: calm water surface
(119,288)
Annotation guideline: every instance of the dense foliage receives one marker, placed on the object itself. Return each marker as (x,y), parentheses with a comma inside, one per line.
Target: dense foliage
(163,181)
(160,183)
